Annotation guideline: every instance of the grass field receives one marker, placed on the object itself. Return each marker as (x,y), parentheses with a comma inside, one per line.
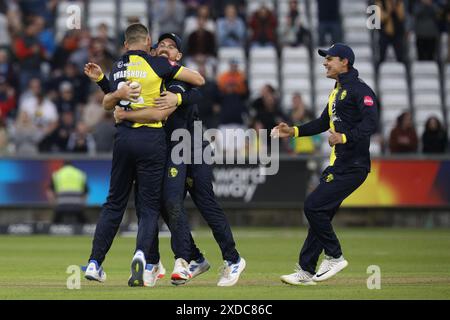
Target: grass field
(415,264)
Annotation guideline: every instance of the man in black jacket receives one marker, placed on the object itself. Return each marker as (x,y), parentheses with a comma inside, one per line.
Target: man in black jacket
(351,117)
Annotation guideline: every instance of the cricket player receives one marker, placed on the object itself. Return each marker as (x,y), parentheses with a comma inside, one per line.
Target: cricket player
(139,155)
(351,117)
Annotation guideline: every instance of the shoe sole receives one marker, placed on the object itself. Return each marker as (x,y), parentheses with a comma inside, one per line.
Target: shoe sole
(176,280)
(137,274)
(331,274)
(309,283)
(230,284)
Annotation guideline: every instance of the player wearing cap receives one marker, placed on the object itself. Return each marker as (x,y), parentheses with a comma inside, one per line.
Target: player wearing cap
(351,117)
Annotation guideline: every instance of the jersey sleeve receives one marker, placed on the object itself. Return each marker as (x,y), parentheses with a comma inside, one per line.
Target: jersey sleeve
(316,126)
(368,106)
(104,84)
(188,94)
(164,68)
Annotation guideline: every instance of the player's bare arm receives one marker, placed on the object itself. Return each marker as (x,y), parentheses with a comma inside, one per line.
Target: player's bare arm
(166,100)
(191,76)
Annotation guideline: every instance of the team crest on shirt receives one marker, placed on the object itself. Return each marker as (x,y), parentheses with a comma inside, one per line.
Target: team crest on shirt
(343,95)
(173,172)
(329,177)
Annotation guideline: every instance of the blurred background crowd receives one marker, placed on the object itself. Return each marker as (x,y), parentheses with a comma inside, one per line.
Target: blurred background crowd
(259,59)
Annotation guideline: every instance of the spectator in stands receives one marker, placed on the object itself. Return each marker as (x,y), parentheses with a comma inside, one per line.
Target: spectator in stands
(263,25)
(81,140)
(7,99)
(103,36)
(68,45)
(39,109)
(231,29)
(6,68)
(208,107)
(191,22)
(403,138)
(72,75)
(392,28)
(45,8)
(220,7)
(301,115)
(93,112)
(96,52)
(57,140)
(23,135)
(329,21)
(66,99)
(29,53)
(201,42)
(434,138)
(192,6)
(293,31)
(426,27)
(233,95)
(170,16)
(46,36)
(268,113)
(104,132)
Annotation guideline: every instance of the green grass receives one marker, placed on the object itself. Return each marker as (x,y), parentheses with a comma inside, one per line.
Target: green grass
(415,264)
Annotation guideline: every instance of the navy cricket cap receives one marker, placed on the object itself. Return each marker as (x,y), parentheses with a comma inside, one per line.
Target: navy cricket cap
(172,36)
(339,50)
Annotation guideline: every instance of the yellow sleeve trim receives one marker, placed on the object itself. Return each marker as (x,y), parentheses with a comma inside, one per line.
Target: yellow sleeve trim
(180,99)
(100,78)
(178,72)
(344,138)
(295,131)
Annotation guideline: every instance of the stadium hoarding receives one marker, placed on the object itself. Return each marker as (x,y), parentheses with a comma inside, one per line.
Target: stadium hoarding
(392,183)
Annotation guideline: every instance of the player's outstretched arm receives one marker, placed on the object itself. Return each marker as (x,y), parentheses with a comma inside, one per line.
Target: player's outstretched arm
(190,76)
(143,115)
(282,131)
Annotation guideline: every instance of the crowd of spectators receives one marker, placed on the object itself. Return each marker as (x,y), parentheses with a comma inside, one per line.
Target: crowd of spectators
(48,105)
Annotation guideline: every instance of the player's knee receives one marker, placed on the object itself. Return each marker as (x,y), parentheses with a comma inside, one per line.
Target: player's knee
(173,209)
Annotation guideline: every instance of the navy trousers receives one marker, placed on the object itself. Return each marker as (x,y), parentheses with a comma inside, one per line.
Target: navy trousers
(139,156)
(197,179)
(320,207)
(200,188)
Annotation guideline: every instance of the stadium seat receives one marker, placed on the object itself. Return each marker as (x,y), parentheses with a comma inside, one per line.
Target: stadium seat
(295,54)
(424,69)
(295,69)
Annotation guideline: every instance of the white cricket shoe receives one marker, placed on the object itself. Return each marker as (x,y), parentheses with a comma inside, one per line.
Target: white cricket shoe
(181,273)
(151,274)
(329,267)
(299,278)
(94,272)
(197,267)
(231,272)
(161,270)
(137,270)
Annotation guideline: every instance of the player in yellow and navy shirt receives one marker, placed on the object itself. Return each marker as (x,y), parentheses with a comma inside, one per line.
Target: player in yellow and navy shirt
(351,116)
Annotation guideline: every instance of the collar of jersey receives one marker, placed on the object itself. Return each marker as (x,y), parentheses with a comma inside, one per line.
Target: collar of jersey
(351,75)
